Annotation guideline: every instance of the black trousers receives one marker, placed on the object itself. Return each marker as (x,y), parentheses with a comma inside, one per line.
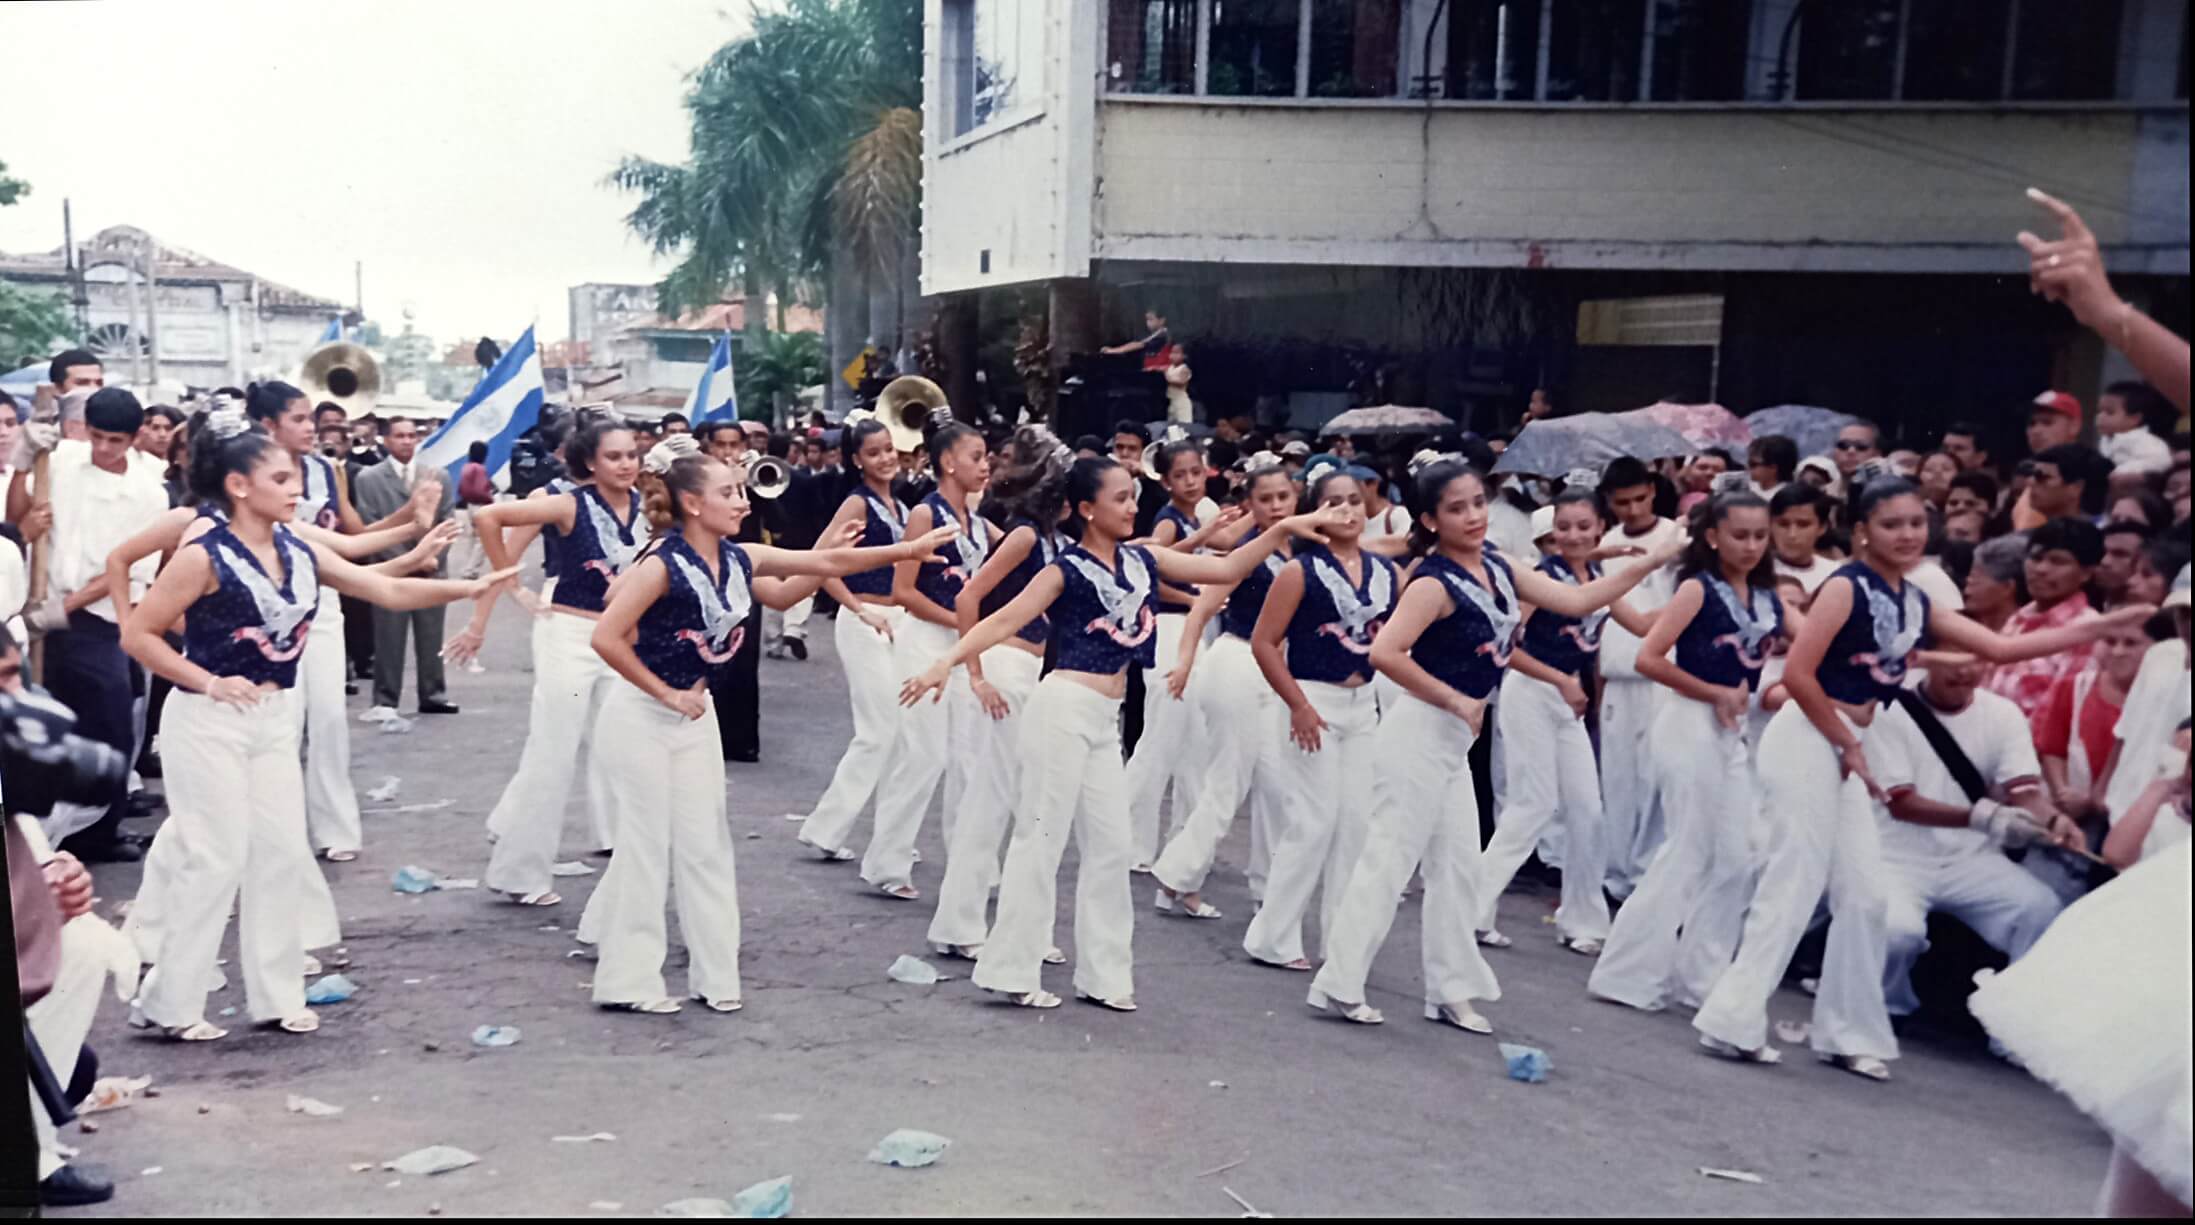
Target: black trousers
(358,635)
(736,689)
(87,672)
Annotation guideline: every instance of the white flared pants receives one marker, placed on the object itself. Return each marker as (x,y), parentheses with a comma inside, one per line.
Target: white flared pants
(570,684)
(1171,749)
(1820,831)
(1425,816)
(1070,736)
(993,747)
(1325,809)
(331,804)
(1630,800)
(923,754)
(667,772)
(1243,718)
(872,683)
(1549,761)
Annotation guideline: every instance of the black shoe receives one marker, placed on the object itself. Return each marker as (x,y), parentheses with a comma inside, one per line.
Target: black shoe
(72,1186)
(148,766)
(350,690)
(798,647)
(119,850)
(146,803)
(436,706)
(749,755)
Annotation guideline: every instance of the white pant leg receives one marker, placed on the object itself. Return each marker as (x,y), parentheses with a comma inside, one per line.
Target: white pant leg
(1162,749)
(796,619)
(872,683)
(62,1020)
(1850,1017)
(1715,917)
(1066,727)
(1706,789)
(1909,887)
(1238,716)
(1799,816)
(704,872)
(570,682)
(1265,809)
(1550,767)
(236,781)
(146,924)
(1424,808)
(1105,918)
(1629,801)
(971,860)
(331,803)
(918,755)
(1315,790)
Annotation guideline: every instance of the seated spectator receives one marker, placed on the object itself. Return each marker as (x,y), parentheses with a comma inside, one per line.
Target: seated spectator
(2059,486)
(2080,724)
(2126,415)
(1966,527)
(1996,583)
(2061,558)
(2124,540)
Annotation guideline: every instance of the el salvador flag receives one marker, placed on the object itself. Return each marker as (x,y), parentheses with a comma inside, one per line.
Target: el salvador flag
(333,332)
(713,398)
(504,405)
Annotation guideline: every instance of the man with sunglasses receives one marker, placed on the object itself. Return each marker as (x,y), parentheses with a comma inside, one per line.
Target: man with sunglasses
(1856,444)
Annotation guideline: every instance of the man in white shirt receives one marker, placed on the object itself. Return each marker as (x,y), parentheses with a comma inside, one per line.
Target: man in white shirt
(99,499)
(1630,798)
(1944,849)
(2124,414)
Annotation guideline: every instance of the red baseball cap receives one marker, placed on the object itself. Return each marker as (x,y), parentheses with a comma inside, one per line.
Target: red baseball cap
(2060,402)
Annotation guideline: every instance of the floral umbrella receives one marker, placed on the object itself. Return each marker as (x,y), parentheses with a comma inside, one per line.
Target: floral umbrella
(1703,425)
(1814,430)
(1556,446)
(1387,419)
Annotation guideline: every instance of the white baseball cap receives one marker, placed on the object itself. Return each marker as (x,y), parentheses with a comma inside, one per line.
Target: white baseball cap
(1543,522)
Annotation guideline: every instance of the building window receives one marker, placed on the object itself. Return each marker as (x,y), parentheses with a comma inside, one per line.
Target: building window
(1493,49)
(1957,50)
(2068,52)
(993,60)
(1592,50)
(1355,48)
(1253,48)
(1698,50)
(1153,46)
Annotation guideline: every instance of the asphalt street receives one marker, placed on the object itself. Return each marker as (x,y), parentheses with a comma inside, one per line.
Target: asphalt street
(1223,1079)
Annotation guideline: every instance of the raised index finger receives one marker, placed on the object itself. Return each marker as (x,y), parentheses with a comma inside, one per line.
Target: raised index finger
(2068,220)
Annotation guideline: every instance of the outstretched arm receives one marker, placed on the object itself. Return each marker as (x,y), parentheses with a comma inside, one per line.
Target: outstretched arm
(988,633)
(399,594)
(1965,634)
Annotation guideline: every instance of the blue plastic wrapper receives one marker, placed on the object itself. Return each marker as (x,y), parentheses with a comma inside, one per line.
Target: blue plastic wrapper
(411,879)
(908,1148)
(495,1035)
(1526,1063)
(330,989)
(763,1200)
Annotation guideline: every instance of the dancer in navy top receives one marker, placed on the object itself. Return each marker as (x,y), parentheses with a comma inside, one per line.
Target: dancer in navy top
(1850,656)
(864,640)
(1446,645)
(1547,758)
(250,588)
(1680,927)
(678,615)
(1101,597)
(595,532)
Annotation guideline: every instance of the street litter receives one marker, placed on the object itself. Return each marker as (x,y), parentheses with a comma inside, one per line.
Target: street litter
(908,1149)
(361,1167)
(457,882)
(313,1106)
(1247,1210)
(1526,1063)
(396,725)
(495,1035)
(433,1159)
(113,1093)
(570,867)
(1217,1084)
(1221,1169)
(605,1205)
(782,1118)
(330,989)
(1730,1175)
(436,806)
(914,970)
(385,790)
(1793,1032)
(600,1135)
(765,1200)
(148,1171)
(412,879)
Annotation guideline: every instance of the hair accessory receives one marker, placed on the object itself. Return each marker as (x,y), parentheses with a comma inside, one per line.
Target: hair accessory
(673,448)
(1732,482)
(1428,457)
(227,421)
(1872,470)
(1587,476)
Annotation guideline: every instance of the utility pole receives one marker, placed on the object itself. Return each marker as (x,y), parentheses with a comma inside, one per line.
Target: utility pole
(150,250)
(75,270)
(358,288)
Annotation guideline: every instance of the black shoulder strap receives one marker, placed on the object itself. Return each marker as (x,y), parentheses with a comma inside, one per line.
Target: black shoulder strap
(1947,747)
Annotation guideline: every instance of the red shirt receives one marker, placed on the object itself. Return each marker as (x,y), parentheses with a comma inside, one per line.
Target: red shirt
(2097,722)
(2027,684)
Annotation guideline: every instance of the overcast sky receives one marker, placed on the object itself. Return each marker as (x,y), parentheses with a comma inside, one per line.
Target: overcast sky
(455,146)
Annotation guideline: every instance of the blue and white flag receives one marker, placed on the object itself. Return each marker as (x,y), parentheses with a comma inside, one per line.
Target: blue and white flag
(713,398)
(333,332)
(505,404)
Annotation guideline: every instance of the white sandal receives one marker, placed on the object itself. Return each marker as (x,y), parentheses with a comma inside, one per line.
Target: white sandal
(1586,947)
(1361,1013)
(312,966)
(720,1005)
(1860,1065)
(1169,903)
(304,1022)
(542,898)
(197,1031)
(658,1007)
(902,892)
(1762,1054)
(1054,956)
(1039,998)
(965,952)
(1462,1016)
(1494,940)
(333,856)
(1127,1005)
(829,854)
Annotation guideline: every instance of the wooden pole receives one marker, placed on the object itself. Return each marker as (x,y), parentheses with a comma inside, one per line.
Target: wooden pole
(45,407)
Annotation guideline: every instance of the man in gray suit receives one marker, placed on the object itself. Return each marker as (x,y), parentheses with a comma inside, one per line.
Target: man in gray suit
(380,490)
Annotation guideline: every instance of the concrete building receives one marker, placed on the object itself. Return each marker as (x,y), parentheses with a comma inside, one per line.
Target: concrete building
(215,324)
(630,353)
(1450,202)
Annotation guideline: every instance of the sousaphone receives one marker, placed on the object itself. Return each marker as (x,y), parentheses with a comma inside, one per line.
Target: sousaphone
(906,405)
(342,374)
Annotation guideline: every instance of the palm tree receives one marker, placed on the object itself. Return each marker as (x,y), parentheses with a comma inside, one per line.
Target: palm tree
(774,372)
(807,160)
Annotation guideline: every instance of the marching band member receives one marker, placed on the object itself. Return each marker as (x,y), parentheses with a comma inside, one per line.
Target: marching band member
(1313,642)
(1723,621)
(864,641)
(933,738)
(1446,645)
(1850,657)
(596,531)
(1547,757)
(233,774)
(680,612)
(1101,599)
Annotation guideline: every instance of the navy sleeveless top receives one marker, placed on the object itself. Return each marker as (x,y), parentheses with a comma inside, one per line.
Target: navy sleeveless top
(1043,553)
(1467,649)
(252,626)
(552,541)
(1104,620)
(699,623)
(598,548)
(1727,642)
(1866,661)
(1247,600)
(1565,644)
(1330,637)
(316,502)
(1184,527)
(887,520)
(964,554)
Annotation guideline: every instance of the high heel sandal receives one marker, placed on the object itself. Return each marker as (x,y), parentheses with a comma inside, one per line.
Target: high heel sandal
(304,1022)
(1759,1054)
(657,1007)
(1039,998)
(720,1005)
(1584,947)
(1126,1005)
(1493,939)
(965,952)
(1362,1014)
(1462,1016)
(1164,901)
(196,1031)
(1860,1065)
(829,854)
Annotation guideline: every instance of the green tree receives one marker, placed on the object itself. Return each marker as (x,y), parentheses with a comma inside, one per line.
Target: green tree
(774,369)
(31,320)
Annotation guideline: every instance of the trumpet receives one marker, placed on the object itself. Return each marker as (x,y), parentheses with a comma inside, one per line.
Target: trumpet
(767,475)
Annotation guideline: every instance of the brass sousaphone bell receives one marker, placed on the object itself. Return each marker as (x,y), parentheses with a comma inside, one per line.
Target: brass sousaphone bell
(342,374)
(906,405)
